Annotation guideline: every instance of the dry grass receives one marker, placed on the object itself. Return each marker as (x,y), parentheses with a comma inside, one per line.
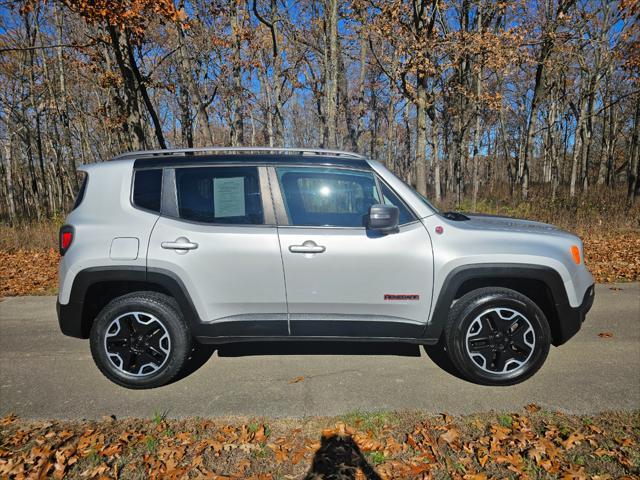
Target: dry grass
(30,236)
(601,211)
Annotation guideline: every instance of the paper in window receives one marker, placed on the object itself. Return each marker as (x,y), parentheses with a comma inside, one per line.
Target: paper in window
(228,197)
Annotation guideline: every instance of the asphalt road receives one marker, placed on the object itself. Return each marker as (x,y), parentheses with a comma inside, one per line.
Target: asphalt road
(46,375)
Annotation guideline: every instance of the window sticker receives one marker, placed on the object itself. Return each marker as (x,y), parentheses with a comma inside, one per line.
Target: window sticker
(228,197)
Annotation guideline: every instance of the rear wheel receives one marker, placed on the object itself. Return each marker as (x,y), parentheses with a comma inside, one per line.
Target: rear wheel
(140,340)
(497,336)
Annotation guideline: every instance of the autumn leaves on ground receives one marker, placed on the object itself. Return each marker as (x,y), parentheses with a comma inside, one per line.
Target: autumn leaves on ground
(530,444)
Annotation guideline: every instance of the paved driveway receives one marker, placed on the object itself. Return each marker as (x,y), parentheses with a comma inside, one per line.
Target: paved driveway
(44,374)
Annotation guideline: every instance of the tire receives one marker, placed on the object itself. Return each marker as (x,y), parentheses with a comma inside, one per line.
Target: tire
(140,340)
(496,336)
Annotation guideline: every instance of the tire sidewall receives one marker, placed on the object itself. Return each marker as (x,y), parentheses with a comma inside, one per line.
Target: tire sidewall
(170,319)
(466,311)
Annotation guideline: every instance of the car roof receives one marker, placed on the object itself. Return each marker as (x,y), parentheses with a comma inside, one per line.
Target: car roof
(250,159)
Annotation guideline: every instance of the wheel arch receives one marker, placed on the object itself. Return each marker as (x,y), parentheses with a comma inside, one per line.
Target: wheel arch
(543,285)
(94,287)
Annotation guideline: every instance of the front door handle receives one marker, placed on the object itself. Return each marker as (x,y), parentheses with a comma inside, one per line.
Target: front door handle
(181,244)
(307,247)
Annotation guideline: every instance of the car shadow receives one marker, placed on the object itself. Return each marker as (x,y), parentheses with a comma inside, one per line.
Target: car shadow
(340,458)
(438,355)
(246,349)
(201,353)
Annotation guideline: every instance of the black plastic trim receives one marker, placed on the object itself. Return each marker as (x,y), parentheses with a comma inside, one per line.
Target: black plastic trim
(71,317)
(355,328)
(291,338)
(566,320)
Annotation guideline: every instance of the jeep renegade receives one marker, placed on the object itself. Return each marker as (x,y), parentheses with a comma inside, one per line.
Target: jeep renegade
(167,250)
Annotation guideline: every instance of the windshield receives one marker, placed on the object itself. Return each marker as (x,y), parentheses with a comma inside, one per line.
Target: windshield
(422,197)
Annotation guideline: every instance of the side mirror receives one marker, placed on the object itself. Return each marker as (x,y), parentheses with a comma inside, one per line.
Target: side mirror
(383,218)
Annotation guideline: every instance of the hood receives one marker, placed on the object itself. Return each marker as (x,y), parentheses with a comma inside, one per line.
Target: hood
(478,221)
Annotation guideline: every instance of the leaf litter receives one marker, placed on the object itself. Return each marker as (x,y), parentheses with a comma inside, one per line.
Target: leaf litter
(533,443)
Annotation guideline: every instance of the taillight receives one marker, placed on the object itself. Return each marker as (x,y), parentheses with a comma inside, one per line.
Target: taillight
(66,238)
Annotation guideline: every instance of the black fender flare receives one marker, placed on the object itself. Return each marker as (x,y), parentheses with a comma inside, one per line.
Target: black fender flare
(564,320)
(72,317)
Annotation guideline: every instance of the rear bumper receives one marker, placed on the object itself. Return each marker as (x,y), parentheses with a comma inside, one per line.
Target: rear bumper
(570,319)
(70,319)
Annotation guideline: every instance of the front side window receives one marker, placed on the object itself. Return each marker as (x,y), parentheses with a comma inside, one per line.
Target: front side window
(390,198)
(327,196)
(221,195)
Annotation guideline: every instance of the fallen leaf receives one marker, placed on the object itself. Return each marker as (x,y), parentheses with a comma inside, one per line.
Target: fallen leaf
(450,436)
(532,408)
(574,438)
(605,335)
(296,380)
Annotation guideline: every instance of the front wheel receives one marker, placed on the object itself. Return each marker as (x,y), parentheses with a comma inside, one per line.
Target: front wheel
(140,340)
(497,336)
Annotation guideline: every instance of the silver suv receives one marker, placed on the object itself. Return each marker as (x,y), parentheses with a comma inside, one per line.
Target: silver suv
(168,250)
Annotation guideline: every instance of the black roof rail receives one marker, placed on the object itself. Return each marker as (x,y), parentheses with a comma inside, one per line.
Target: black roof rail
(205,150)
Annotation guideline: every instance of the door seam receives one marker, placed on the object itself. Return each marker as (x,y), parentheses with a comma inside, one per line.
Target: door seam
(284,274)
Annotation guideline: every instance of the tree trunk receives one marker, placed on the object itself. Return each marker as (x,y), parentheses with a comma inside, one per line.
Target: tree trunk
(237,127)
(132,125)
(332,72)
(476,131)
(634,160)
(421,136)
(11,202)
(577,146)
(436,159)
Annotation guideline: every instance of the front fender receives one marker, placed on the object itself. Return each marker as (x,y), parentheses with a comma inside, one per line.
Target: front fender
(565,320)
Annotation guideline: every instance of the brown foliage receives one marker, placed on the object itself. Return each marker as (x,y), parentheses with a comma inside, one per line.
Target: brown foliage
(28,272)
(613,258)
(398,446)
(131,14)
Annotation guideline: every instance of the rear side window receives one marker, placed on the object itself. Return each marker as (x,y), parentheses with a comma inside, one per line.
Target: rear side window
(221,195)
(147,189)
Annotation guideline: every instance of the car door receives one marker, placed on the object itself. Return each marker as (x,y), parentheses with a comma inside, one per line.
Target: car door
(342,279)
(217,234)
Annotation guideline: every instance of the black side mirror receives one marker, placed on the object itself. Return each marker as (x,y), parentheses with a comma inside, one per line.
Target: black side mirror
(383,218)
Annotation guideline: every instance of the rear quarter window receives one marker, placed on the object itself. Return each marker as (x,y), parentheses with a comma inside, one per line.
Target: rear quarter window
(147,189)
(82,180)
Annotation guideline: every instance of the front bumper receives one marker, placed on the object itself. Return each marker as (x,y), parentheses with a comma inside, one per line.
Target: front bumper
(570,319)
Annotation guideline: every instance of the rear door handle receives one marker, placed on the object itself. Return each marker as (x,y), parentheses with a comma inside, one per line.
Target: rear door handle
(307,247)
(181,243)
